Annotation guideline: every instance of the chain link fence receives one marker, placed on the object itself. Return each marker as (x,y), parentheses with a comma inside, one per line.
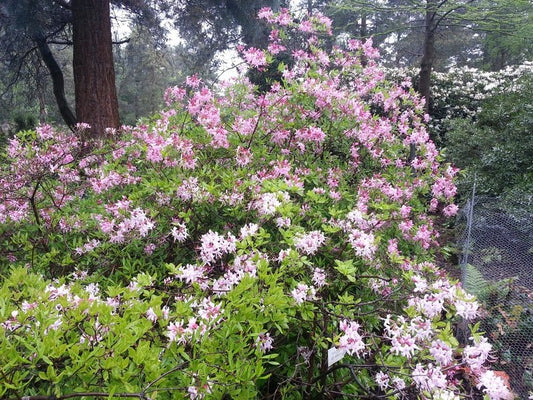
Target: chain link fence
(496,242)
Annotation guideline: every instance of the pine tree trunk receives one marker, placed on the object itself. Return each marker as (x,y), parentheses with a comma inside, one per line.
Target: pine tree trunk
(94,73)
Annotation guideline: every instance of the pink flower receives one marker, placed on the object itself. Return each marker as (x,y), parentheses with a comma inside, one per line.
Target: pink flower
(308,243)
(430,378)
(302,293)
(190,273)
(173,95)
(467,307)
(382,379)
(213,246)
(441,352)
(243,157)
(266,13)
(319,277)
(208,310)
(476,355)
(149,248)
(54,326)
(306,26)
(192,391)
(450,210)
(264,340)
(363,243)
(151,315)
(267,203)
(248,230)
(403,344)
(494,386)
(255,57)
(351,341)
(310,134)
(175,332)
(193,81)
(430,305)
(283,222)
(179,232)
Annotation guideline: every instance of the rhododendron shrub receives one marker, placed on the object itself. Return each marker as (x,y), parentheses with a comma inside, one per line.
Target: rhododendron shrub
(241,244)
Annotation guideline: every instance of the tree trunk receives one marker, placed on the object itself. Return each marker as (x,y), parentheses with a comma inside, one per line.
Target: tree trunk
(428,55)
(58,82)
(363,31)
(94,73)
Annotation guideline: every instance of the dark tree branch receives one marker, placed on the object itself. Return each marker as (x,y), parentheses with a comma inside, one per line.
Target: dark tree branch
(19,69)
(57,79)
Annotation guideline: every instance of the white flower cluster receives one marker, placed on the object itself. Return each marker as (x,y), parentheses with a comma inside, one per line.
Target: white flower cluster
(459,92)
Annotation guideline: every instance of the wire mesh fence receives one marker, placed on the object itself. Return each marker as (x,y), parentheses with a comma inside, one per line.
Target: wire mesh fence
(496,260)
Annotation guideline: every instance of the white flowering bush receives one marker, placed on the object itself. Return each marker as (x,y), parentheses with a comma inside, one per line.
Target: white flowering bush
(460,92)
(239,245)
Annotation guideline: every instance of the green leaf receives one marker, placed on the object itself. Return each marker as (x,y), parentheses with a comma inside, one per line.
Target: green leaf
(346,268)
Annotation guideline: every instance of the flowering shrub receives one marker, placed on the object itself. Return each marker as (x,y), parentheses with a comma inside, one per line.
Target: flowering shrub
(239,245)
(460,93)
(496,148)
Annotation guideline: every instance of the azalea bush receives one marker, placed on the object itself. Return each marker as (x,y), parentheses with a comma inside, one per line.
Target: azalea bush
(239,244)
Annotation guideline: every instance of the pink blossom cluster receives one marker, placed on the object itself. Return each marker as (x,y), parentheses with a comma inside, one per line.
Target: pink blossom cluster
(267,203)
(124,222)
(265,341)
(362,243)
(429,378)
(243,265)
(213,246)
(351,341)
(308,243)
(303,292)
(254,57)
(494,386)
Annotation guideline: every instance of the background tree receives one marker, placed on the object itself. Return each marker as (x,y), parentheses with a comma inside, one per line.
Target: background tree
(94,73)
(27,28)
(32,27)
(408,32)
(507,38)
(210,26)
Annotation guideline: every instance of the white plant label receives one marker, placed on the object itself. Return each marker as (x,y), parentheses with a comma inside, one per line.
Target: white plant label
(335,355)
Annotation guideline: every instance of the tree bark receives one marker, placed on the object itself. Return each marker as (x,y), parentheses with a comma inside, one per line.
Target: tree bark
(58,81)
(94,73)
(363,31)
(428,55)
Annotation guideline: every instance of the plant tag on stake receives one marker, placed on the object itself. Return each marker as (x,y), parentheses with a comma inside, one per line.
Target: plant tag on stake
(335,355)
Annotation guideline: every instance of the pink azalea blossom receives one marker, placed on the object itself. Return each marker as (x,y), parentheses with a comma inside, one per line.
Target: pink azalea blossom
(264,340)
(475,355)
(430,378)
(494,386)
(302,293)
(441,352)
(351,341)
(319,277)
(255,57)
(382,379)
(308,243)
